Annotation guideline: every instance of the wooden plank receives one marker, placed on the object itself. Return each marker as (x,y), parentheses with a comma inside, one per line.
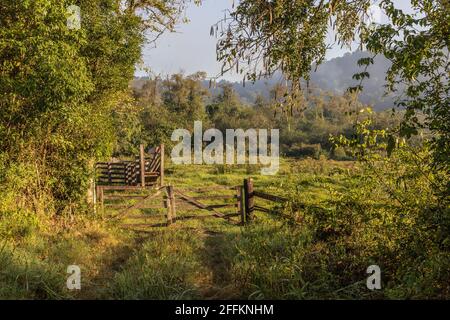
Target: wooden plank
(142,164)
(198,204)
(122,197)
(196,216)
(112,174)
(262,209)
(205,216)
(109,173)
(233,196)
(207,189)
(112,178)
(107,169)
(154,161)
(123,188)
(224,205)
(240,203)
(130,225)
(110,164)
(161,166)
(115,206)
(152,174)
(116,165)
(232,215)
(183,205)
(269,197)
(112,184)
(136,205)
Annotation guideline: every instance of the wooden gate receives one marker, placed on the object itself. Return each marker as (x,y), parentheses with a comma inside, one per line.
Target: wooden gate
(177,204)
(143,173)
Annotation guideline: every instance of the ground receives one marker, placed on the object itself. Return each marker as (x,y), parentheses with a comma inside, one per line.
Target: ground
(207,259)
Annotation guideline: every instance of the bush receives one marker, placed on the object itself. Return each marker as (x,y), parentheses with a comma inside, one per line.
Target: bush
(304,150)
(339,153)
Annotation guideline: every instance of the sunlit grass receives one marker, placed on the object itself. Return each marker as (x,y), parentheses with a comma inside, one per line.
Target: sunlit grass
(332,232)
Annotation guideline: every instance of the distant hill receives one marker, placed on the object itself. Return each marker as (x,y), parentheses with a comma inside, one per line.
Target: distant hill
(332,75)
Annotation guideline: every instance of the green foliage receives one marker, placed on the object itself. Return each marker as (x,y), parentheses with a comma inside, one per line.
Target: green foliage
(24,276)
(285,35)
(64,102)
(290,36)
(163,106)
(417,45)
(413,223)
(166,105)
(62,91)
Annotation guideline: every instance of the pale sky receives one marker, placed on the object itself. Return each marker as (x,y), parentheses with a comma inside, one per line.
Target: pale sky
(192,49)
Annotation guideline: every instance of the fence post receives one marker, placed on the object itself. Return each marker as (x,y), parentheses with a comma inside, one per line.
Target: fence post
(97,194)
(94,195)
(142,164)
(100,197)
(171,210)
(161,167)
(249,200)
(240,203)
(109,173)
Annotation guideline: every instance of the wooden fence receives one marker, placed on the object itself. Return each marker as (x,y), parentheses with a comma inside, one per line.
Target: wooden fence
(236,204)
(194,203)
(250,200)
(144,172)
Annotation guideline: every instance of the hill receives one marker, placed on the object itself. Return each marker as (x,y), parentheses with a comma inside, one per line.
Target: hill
(332,75)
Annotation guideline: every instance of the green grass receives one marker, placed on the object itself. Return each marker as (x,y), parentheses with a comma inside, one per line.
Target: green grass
(338,226)
(213,259)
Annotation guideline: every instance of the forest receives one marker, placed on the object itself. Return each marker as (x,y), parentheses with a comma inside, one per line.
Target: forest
(361,185)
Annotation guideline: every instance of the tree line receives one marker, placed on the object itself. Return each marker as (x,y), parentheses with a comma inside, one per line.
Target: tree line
(163,105)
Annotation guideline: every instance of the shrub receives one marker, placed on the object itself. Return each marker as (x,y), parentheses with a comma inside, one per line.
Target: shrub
(304,150)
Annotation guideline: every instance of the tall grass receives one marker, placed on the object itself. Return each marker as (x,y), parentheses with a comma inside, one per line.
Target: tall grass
(342,219)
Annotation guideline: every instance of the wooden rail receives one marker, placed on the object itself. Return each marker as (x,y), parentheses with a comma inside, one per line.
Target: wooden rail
(269,197)
(243,198)
(250,196)
(144,171)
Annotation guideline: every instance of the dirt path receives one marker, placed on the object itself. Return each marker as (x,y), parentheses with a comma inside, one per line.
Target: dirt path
(110,262)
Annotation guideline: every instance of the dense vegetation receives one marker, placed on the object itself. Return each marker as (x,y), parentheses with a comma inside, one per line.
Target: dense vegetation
(67,100)
(164,105)
(334,75)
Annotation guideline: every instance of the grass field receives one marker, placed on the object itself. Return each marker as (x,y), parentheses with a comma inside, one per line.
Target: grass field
(312,254)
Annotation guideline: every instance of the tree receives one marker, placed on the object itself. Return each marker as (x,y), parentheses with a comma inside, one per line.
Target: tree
(59,87)
(265,36)
(184,96)
(262,37)
(417,45)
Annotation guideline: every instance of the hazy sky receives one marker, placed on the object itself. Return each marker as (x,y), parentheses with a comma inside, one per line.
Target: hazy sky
(192,49)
